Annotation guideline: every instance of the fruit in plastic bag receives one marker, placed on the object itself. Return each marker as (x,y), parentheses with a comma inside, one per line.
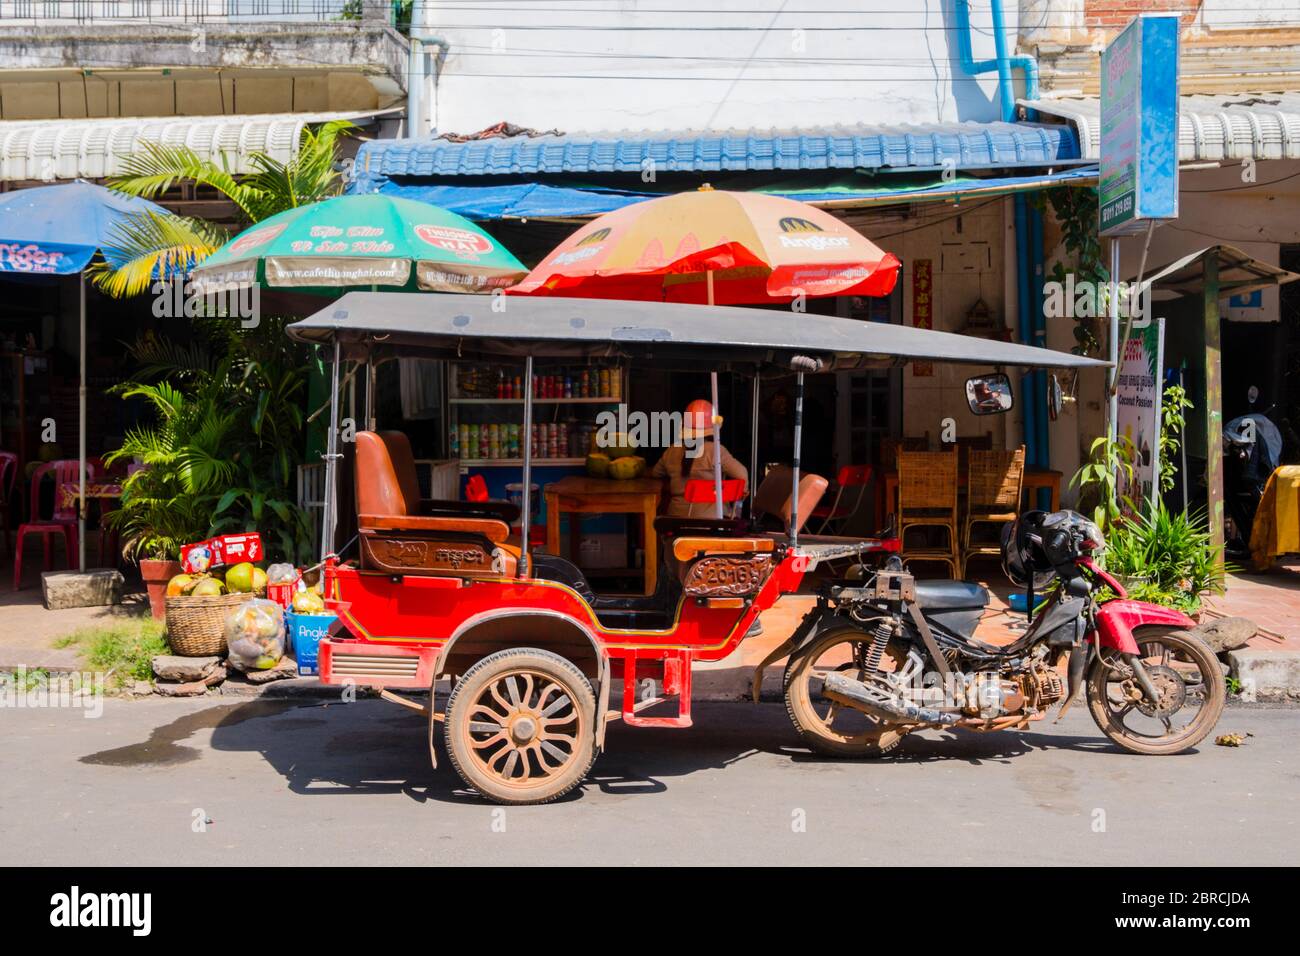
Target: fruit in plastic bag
(281,573)
(308,602)
(254,634)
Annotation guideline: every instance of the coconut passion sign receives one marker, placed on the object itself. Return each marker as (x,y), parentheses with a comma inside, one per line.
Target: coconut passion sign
(1139,125)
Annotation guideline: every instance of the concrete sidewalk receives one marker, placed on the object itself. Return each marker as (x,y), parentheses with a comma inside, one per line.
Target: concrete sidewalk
(1269,666)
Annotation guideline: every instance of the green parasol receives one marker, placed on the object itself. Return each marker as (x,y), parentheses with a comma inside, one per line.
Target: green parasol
(367,241)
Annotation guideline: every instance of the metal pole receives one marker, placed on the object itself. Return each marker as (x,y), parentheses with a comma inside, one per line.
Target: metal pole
(331,459)
(798,440)
(1112,401)
(717,449)
(81,436)
(753,441)
(1160,410)
(526,439)
(1213,405)
(369,411)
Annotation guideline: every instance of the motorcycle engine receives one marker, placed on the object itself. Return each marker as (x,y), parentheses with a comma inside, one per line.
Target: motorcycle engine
(1041,685)
(988,695)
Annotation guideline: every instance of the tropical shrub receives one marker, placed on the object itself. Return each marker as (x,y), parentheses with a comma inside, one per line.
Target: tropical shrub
(1173,419)
(1166,555)
(1098,481)
(224,453)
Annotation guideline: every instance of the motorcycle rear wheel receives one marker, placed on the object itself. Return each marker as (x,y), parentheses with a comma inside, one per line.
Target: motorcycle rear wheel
(827,727)
(1183,668)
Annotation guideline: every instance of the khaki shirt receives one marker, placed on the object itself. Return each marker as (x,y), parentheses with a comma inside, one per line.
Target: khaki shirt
(669,466)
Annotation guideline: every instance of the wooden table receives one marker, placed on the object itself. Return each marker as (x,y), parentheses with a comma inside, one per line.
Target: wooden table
(70,492)
(1034,479)
(578,495)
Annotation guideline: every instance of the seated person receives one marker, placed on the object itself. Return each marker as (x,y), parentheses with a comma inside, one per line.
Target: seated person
(679,463)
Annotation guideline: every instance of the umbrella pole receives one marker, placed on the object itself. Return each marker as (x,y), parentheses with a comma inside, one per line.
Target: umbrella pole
(369,411)
(798,441)
(81,426)
(753,439)
(526,507)
(717,450)
(717,429)
(331,460)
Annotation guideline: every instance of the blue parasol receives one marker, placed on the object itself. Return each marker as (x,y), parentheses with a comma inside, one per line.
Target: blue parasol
(56,231)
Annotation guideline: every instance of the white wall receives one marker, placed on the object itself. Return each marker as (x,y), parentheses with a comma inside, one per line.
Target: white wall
(970,259)
(670,64)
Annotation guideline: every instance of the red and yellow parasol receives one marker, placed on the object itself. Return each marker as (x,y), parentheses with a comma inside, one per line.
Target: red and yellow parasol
(717,247)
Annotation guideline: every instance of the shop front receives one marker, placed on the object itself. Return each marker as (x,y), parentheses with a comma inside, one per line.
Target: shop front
(941,204)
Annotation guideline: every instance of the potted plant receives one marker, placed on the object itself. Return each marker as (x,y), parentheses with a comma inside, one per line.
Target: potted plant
(1165,557)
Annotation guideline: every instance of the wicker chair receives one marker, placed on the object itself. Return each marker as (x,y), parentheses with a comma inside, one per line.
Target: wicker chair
(927,497)
(966,445)
(993,496)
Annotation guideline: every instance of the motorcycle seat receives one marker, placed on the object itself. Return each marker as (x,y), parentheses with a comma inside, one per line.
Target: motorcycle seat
(950,595)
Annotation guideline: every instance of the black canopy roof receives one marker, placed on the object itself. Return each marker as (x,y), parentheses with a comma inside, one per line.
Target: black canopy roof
(479,327)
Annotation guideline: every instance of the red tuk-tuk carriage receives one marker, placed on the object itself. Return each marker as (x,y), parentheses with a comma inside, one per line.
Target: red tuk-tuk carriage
(539,661)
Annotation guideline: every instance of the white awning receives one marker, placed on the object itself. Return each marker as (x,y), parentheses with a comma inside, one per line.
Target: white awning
(51,150)
(1211,128)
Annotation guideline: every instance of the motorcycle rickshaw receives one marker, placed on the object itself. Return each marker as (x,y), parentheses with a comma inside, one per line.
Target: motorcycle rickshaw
(539,662)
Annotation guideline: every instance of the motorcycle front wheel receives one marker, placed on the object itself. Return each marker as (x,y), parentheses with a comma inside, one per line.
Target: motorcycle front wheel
(1188,679)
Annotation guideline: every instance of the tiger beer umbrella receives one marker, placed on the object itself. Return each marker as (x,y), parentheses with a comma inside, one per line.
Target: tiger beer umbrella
(714,247)
(369,241)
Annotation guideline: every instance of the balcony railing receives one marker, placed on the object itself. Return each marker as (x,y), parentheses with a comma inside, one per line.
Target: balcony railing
(183,11)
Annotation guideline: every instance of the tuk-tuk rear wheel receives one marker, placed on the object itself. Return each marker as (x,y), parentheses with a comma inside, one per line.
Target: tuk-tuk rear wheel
(519,726)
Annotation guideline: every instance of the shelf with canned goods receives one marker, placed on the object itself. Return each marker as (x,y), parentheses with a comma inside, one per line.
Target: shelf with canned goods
(485,412)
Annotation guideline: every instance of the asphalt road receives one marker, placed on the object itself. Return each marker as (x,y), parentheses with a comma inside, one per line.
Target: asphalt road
(305,782)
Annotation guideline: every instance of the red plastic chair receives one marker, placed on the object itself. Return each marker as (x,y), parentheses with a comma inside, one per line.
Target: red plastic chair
(699,491)
(63,520)
(8,479)
(476,488)
(836,513)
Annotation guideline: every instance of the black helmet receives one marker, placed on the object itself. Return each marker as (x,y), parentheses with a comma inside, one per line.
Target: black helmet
(1022,551)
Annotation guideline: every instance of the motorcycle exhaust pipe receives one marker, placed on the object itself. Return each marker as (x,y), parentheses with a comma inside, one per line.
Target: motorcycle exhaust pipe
(855,694)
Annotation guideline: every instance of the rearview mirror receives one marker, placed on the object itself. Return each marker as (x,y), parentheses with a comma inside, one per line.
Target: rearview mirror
(989,394)
(1055,398)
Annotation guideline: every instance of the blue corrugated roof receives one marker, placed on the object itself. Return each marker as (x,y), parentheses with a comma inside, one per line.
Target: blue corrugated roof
(967,145)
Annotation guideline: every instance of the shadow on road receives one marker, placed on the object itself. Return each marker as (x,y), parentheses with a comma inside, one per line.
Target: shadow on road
(369,747)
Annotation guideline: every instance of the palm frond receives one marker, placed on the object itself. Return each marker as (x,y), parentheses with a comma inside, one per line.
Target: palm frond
(147,248)
(157,167)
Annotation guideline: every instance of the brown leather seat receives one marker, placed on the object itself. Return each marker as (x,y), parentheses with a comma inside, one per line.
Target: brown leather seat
(772,498)
(397,539)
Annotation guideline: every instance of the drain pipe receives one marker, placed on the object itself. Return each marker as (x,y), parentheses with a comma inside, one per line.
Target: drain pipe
(1027,221)
(1002,64)
(425,51)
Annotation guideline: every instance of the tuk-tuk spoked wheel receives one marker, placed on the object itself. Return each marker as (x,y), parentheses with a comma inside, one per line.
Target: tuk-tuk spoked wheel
(519,726)
(826,726)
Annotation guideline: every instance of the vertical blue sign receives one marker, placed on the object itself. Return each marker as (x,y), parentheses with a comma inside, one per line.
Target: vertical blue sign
(1139,125)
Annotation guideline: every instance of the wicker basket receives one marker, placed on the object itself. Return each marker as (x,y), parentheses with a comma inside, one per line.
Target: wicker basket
(196,625)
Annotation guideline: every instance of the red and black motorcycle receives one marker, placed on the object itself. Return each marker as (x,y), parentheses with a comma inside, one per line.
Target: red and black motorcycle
(875,661)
